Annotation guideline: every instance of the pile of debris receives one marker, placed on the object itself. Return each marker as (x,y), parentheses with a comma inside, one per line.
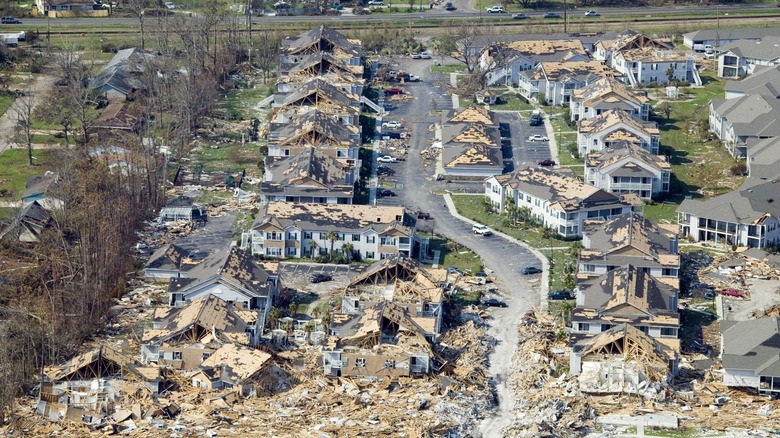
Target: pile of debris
(546,401)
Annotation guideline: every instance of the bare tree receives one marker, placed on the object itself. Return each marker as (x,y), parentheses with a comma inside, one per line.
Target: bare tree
(23,108)
(465,43)
(138,9)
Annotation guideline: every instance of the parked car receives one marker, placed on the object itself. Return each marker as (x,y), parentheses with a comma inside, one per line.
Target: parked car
(391,91)
(319,278)
(551,15)
(519,16)
(591,13)
(732,293)
(538,137)
(392,124)
(425,55)
(495,10)
(560,294)
(529,270)
(10,20)
(386,192)
(492,302)
(535,120)
(382,170)
(481,230)
(546,163)
(481,274)
(376,2)
(414,78)
(414,55)
(423,215)
(169,5)
(449,7)
(386,159)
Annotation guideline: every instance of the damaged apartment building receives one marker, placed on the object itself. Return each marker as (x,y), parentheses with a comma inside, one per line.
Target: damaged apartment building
(390,316)
(625,326)
(314,135)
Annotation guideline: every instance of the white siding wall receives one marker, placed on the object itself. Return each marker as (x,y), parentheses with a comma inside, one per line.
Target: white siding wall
(740,378)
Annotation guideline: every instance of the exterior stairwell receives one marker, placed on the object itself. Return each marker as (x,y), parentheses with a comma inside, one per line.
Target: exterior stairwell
(369,103)
(265,102)
(499,75)
(696,77)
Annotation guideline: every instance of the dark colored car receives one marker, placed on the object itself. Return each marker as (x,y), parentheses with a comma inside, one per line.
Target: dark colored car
(319,278)
(519,16)
(390,91)
(454,270)
(551,15)
(423,215)
(546,163)
(732,293)
(492,302)
(528,270)
(383,170)
(449,7)
(386,192)
(535,120)
(560,294)
(481,274)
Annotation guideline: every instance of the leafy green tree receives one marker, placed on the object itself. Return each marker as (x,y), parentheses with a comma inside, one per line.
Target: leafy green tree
(331,236)
(347,249)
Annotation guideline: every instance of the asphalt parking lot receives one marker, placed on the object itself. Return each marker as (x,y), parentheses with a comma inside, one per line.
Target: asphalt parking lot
(296,276)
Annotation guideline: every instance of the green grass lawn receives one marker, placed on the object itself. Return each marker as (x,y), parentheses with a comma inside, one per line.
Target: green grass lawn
(15,171)
(6,100)
(240,102)
(453,254)
(448,68)
(512,103)
(228,158)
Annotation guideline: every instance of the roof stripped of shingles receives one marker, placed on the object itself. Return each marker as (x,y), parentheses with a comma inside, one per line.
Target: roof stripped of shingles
(613,155)
(611,118)
(473,114)
(316,128)
(560,71)
(652,54)
(329,216)
(631,39)
(323,39)
(471,154)
(316,90)
(310,166)
(209,312)
(476,133)
(608,90)
(320,64)
(546,47)
(239,363)
(547,184)
(644,346)
(630,230)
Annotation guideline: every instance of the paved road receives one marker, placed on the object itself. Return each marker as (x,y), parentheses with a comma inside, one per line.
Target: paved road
(502,256)
(464,11)
(38,88)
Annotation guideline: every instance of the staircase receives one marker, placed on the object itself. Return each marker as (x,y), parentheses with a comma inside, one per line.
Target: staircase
(631,78)
(498,75)
(265,102)
(696,77)
(369,103)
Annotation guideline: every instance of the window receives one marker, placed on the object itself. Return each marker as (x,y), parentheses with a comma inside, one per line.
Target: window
(177,355)
(583,326)
(290,251)
(370,255)
(370,239)
(385,255)
(273,251)
(322,236)
(387,241)
(668,332)
(390,364)
(360,362)
(605,327)
(307,234)
(273,235)
(356,237)
(292,236)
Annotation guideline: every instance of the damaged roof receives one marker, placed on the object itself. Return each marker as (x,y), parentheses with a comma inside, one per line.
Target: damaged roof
(608,92)
(319,64)
(211,313)
(311,168)
(471,114)
(316,128)
(236,364)
(751,204)
(326,217)
(472,155)
(28,224)
(233,265)
(76,365)
(561,189)
(583,71)
(752,345)
(322,39)
(321,94)
(620,156)
(123,71)
(645,348)
(629,236)
(471,133)
(631,39)
(39,185)
(534,48)
(613,119)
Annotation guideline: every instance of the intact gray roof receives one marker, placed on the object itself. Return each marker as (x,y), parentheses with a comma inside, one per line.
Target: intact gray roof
(232,264)
(767,48)
(123,71)
(752,345)
(38,185)
(763,158)
(765,80)
(748,205)
(732,34)
(750,115)
(613,155)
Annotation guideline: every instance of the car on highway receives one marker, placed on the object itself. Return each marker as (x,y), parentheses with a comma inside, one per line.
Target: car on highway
(423,215)
(495,10)
(319,278)
(538,137)
(519,16)
(481,230)
(591,13)
(449,7)
(551,15)
(425,55)
(391,91)
(391,124)
(492,302)
(546,163)
(10,20)
(386,159)
(560,294)
(530,270)
(376,2)
(385,192)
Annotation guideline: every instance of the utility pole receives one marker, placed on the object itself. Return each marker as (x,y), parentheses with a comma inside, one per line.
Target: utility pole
(565,17)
